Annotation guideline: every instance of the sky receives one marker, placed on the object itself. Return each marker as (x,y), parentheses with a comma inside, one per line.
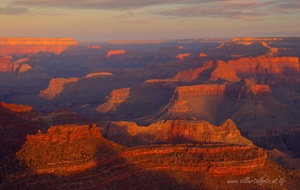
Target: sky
(102,20)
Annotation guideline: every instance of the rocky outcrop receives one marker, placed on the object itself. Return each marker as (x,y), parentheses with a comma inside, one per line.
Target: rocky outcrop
(252,48)
(264,65)
(249,39)
(224,72)
(211,70)
(216,160)
(202,55)
(98,74)
(65,133)
(56,86)
(233,91)
(115,52)
(63,149)
(17,46)
(19,66)
(117,97)
(19,108)
(182,56)
(172,131)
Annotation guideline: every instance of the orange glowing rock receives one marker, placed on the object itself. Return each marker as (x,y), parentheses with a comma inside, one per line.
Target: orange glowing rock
(56,86)
(94,47)
(10,46)
(16,107)
(202,55)
(180,47)
(115,52)
(98,74)
(183,55)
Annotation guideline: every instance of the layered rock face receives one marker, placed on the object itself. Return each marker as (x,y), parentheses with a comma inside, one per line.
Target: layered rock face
(19,108)
(173,131)
(17,46)
(264,65)
(19,66)
(56,86)
(249,39)
(211,70)
(239,49)
(65,148)
(182,56)
(117,97)
(98,74)
(216,160)
(232,91)
(115,52)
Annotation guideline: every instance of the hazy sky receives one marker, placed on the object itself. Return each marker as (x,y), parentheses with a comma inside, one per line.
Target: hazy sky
(148,19)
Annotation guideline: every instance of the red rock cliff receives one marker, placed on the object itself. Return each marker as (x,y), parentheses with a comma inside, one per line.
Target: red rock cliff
(174,131)
(65,148)
(263,65)
(56,86)
(16,107)
(11,46)
(115,52)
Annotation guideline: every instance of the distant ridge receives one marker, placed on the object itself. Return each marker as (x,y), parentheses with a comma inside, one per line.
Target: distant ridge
(17,46)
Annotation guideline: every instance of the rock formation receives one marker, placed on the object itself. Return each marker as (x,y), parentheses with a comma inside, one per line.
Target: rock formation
(56,86)
(19,108)
(115,52)
(202,55)
(98,74)
(226,49)
(264,65)
(18,46)
(19,66)
(173,131)
(216,160)
(211,70)
(117,97)
(232,91)
(182,56)
(64,149)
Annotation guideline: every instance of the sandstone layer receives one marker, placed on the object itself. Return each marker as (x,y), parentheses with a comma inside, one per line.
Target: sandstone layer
(65,149)
(182,56)
(264,65)
(15,67)
(17,46)
(56,86)
(117,97)
(19,108)
(173,131)
(115,52)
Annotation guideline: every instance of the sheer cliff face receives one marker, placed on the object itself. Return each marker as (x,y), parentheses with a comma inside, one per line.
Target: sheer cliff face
(16,121)
(66,148)
(173,131)
(265,65)
(17,46)
(56,86)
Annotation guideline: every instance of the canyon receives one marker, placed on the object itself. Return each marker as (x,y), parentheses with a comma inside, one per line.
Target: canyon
(185,114)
